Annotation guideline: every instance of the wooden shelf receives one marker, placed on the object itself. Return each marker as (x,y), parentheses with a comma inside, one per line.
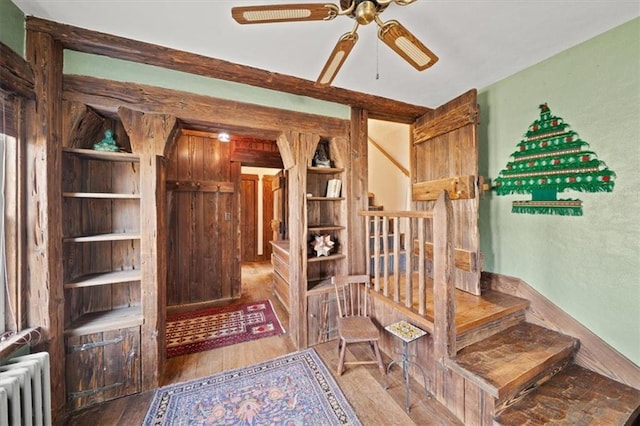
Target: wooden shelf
(325,198)
(104,278)
(326,258)
(102,155)
(325,170)
(102,195)
(97,322)
(319,286)
(117,236)
(320,228)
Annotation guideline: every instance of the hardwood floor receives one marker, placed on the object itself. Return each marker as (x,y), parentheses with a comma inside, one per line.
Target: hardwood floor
(363,385)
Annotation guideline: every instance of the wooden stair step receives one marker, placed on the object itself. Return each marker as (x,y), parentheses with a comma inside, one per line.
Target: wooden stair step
(515,358)
(575,396)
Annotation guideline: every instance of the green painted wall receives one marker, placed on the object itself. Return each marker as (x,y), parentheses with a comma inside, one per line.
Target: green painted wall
(590,265)
(12,26)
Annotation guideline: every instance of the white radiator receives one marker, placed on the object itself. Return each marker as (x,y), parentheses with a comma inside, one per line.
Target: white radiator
(25,391)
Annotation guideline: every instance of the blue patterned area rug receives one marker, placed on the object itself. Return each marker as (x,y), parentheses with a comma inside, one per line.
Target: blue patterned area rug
(295,389)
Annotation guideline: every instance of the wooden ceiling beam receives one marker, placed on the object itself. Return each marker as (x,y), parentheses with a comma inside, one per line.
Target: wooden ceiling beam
(16,75)
(87,41)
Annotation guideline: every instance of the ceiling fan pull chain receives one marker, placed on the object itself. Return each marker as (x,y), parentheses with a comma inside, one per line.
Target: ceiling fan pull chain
(377,59)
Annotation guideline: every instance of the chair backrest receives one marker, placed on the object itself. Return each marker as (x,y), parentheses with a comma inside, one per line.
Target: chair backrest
(352,294)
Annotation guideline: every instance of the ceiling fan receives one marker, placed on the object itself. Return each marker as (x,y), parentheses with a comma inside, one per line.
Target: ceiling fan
(392,33)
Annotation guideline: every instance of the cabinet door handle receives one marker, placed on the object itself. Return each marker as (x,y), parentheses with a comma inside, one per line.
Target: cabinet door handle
(86,346)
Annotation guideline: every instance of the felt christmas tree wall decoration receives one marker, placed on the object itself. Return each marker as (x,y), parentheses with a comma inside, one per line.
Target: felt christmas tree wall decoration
(550,159)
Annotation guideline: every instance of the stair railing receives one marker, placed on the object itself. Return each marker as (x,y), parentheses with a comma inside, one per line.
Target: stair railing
(389,273)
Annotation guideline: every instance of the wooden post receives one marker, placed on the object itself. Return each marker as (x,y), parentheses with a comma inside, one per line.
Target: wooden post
(444,304)
(44,217)
(356,163)
(149,134)
(302,146)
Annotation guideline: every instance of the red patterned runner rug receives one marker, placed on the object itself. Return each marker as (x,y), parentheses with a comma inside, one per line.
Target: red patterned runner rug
(212,328)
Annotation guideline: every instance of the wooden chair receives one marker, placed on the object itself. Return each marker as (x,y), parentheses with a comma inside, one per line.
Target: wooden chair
(354,324)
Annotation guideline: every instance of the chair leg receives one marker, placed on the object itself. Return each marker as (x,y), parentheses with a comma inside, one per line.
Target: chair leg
(343,349)
(376,349)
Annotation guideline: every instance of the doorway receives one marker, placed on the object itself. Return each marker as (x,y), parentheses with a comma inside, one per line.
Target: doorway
(257,213)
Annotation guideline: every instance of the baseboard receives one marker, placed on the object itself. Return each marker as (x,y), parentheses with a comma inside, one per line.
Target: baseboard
(594,353)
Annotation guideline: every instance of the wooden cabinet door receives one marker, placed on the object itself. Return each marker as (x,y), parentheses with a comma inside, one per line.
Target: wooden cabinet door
(445,145)
(102,366)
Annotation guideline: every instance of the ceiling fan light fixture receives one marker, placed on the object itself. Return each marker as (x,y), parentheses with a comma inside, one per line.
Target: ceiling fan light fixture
(366,12)
(405,44)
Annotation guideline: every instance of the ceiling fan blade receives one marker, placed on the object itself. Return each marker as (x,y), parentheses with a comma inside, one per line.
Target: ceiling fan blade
(337,58)
(405,44)
(284,13)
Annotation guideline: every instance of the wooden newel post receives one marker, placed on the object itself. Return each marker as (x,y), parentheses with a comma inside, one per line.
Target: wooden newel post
(444,305)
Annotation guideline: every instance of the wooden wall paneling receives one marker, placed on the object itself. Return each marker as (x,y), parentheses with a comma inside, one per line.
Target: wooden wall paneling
(450,132)
(196,224)
(455,395)
(235,171)
(172,246)
(356,162)
(149,134)
(210,259)
(182,204)
(44,239)
(472,403)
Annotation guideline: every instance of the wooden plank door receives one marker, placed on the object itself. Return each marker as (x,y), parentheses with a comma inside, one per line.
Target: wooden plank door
(267,216)
(445,149)
(203,261)
(249,221)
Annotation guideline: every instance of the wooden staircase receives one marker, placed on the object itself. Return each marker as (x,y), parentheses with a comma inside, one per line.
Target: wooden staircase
(529,372)
(487,359)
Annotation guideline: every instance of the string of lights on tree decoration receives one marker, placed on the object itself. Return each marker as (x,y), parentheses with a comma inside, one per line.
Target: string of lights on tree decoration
(550,159)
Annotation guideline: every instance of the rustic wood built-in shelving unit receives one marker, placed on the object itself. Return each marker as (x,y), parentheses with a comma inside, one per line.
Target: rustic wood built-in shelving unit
(305,278)
(102,275)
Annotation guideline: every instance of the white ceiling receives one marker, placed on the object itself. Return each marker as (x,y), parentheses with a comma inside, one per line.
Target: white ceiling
(478,42)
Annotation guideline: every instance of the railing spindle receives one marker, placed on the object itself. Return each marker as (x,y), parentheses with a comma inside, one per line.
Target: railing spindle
(396,260)
(422,285)
(408,302)
(385,255)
